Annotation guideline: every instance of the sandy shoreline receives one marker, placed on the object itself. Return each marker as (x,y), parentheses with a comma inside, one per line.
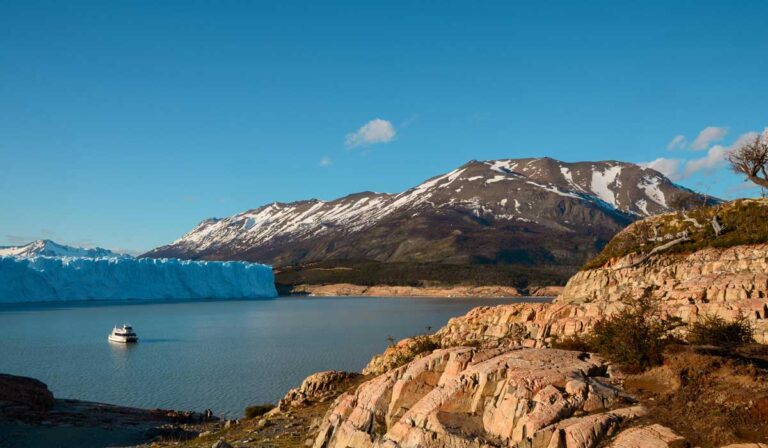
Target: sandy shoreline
(346,289)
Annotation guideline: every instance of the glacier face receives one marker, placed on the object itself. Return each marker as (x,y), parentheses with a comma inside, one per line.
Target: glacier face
(40,278)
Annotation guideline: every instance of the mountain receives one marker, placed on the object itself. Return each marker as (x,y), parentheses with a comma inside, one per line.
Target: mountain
(515,212)
(48,248)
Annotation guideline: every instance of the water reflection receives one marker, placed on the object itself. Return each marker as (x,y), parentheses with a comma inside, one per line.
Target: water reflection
(121,352)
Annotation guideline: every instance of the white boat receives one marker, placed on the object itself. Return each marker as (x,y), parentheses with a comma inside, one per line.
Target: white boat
(123,335)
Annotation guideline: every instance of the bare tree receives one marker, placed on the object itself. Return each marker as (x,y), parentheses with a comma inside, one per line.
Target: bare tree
(751,159)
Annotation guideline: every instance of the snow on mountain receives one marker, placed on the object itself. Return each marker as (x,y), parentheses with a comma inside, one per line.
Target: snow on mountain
(591,199)
(46,271)
(48,248)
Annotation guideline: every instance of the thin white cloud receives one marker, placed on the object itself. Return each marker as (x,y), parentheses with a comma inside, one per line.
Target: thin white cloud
(371,133)
(749,137)
(715,158)
(678,142)
(667,167)
(707,136)
(326,161)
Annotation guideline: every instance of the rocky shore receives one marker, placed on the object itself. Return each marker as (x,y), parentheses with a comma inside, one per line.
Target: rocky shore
(31,417)
(347,289)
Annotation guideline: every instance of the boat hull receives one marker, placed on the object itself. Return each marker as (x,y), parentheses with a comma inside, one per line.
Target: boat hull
(122,340)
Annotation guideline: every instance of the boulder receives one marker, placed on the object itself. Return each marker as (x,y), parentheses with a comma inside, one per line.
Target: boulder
(470,397)
(221,443)
(21,395)
(315,387)
(652,436)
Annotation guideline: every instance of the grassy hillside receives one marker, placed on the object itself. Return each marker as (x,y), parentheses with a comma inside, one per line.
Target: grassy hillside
(369,273)
(743,221)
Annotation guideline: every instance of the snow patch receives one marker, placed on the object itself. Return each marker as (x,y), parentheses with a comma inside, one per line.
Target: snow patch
(51,249)
(601,182)
(650,185)
(642,204)
(495,179)
(553,189)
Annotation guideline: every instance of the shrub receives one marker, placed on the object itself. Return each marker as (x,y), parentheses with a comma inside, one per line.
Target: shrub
(575,343)
(258,410)
(634,338)
(714,330)
(418,345)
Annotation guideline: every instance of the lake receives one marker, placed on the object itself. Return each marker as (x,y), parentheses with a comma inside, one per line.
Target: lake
(222,355)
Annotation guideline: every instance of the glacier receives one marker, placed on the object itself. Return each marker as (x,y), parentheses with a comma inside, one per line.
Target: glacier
(42,278)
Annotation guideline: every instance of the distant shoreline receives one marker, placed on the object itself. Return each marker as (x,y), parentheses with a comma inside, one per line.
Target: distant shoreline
(490,291)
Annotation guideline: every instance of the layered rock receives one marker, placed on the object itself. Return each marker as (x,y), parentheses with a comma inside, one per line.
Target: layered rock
(708,275)
(651,436)
(347,289)
(503,326)
(316,387)
(493,382)
(468,397)
(714,281)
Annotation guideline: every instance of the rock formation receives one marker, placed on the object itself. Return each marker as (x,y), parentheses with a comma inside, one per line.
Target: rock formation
(316,387)
(20,396)
(722,282)
(493,383)
(347,289)
(468,397)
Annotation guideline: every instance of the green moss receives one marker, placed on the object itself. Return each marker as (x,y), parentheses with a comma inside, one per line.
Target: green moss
(369,273)
(258,410)
(744,221)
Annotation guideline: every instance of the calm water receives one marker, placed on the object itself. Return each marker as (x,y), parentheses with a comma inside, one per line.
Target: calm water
(222,355)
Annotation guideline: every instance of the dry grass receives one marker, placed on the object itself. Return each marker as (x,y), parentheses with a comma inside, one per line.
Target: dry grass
(713,397)
(284,430)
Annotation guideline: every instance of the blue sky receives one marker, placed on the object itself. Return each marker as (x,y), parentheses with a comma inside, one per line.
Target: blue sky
(123,124)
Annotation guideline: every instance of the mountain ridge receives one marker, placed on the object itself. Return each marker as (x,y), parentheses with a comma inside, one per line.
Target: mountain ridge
(532,211)
(49,248)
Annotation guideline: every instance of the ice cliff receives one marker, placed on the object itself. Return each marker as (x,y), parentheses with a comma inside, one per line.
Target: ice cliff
(51,278)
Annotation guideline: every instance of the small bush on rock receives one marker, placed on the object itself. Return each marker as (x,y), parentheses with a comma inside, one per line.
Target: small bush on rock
(714,330)
(636,337)
(575,343)
(418,345)
(258,410)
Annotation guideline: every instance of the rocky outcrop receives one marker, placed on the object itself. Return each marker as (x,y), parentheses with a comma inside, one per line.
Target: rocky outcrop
(722,282)
(651,436)
(468,397)
(493,383)
(545,291)
(21,395)
(316,387)
(708,275)
(503,326)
